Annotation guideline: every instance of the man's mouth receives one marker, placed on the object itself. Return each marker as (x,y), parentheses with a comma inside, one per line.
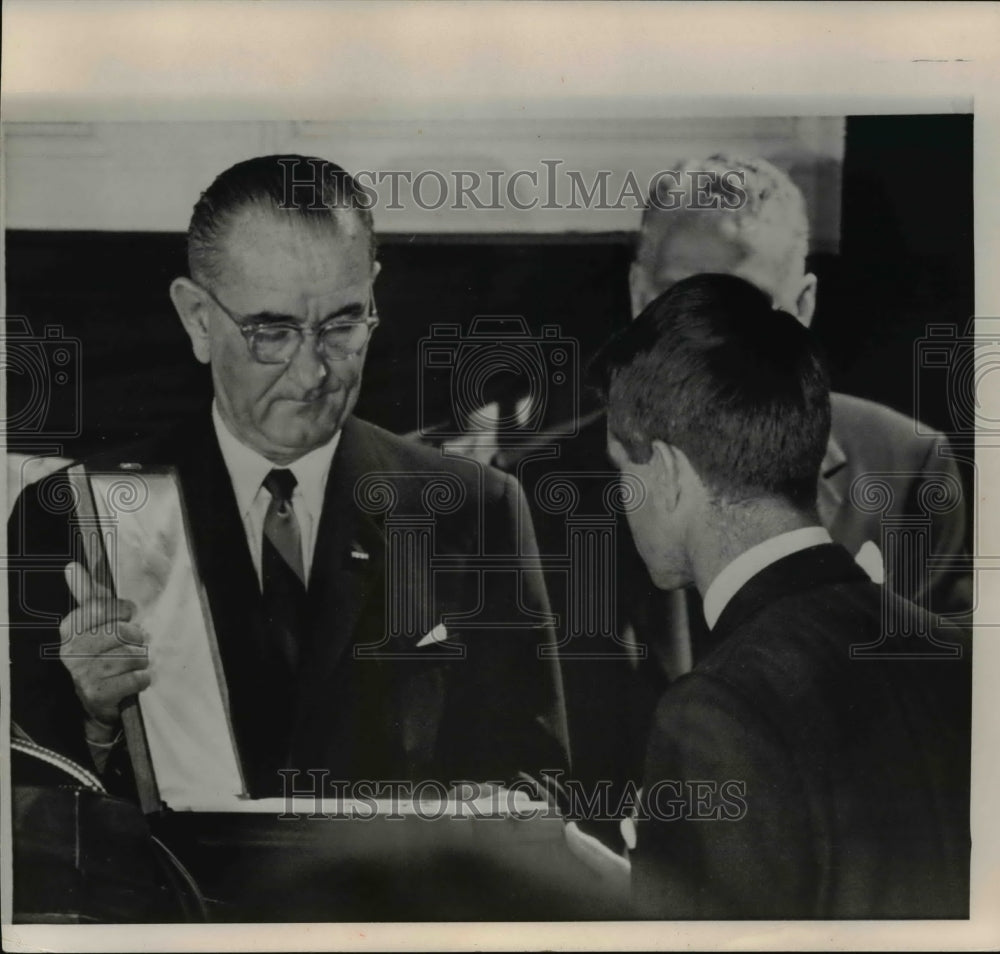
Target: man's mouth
(312,398)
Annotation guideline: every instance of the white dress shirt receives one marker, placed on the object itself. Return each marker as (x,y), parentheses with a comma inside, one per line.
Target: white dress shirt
(247,470)
(749,563)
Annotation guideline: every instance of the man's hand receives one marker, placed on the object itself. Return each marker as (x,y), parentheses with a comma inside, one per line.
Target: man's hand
(105,653)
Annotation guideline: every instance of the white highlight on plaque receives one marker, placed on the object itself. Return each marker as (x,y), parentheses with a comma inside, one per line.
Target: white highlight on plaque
(183,709)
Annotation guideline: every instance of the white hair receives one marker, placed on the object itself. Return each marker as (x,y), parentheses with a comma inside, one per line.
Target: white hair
(770,218)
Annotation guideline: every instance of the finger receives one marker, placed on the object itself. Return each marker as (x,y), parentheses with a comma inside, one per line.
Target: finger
(104,697)
(127,684)
(124,639)
(108,667)
(131,637)
(86,591)
(118,648)
(81,584)
(95,614)
(81,654)
(98,680)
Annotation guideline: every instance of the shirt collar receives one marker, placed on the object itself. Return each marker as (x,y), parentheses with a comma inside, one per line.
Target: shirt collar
(749,563)
(247,469)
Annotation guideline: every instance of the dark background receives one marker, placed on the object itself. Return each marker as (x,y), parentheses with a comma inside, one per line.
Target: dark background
(906,261)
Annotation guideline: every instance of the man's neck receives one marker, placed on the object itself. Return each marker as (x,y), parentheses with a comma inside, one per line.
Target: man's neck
(737,529)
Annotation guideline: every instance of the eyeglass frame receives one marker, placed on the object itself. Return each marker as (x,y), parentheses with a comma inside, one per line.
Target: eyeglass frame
(250,328)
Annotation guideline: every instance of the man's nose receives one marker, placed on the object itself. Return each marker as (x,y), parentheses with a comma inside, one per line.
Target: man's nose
(308,368)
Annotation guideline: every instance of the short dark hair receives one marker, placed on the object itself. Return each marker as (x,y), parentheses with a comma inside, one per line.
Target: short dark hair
(274,184)
(712,368)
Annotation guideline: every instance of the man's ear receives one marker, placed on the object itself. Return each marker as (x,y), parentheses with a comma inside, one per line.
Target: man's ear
(637,288)
(805,301)
(191,306)
(666,469)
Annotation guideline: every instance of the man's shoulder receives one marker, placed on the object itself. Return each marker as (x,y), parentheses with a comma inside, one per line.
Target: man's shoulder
(410,458)
(789,627)
(828,642)
(871,432)
(783,668)
(794,628)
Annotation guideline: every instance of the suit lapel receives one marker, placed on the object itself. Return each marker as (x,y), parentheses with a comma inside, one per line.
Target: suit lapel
(347,572)
(220,542)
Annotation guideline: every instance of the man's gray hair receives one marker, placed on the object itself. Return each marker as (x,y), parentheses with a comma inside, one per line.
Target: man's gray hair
(769,217)
(268,183)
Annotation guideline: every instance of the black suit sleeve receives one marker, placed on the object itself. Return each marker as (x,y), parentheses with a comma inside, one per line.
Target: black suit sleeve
(40,542)
(723,826)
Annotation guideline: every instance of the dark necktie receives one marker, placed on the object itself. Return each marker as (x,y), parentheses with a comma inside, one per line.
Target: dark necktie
(282,573)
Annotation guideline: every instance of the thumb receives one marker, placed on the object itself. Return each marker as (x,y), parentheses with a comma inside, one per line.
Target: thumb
(82,585)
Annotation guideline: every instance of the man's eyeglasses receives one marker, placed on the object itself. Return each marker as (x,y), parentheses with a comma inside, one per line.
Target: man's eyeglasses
(276,342)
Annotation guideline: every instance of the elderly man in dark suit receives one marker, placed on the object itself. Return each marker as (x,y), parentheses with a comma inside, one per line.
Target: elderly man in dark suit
(813,764)
(292,503)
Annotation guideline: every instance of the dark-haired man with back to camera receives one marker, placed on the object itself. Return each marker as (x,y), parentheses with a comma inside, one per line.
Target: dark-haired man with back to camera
(279,303)
(795,772)
(761,234)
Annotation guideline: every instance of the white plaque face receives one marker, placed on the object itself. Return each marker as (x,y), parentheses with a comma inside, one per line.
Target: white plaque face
(183,709)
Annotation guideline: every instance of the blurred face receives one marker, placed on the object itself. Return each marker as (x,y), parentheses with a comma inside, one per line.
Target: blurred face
(675,249)
(278,270)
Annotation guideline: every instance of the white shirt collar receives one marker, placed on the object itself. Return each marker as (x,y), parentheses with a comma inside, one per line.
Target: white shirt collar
(749,563)
(247,469)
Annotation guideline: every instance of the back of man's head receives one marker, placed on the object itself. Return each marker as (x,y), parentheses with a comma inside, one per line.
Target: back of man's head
(314,192)
(713,369)
(724,213)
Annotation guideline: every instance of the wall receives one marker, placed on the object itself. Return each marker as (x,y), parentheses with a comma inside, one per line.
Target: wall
(146,176)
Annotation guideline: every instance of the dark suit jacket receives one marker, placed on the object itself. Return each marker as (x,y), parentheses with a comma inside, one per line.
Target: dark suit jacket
(610,700)
(837,787)
(401,712)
